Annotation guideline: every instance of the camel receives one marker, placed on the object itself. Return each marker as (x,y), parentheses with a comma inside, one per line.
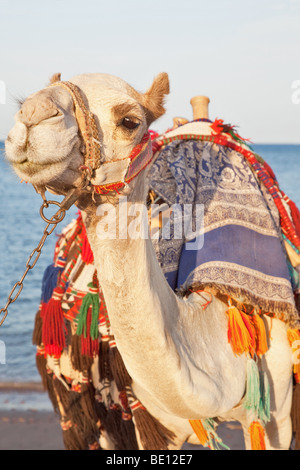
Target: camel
(175,348)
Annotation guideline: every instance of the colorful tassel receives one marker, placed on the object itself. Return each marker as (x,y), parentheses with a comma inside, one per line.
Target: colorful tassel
(293,336)
(200,431)
(264,410)
(90,301)
(239,333)
(128,431)
(257,436)
(71,437)
(261,335)
(103,363)
(206,433)
(153,435)
(53,329)
(127,425)
(82,361)
(294,212)
(86,251)
(219,127)
(89,346)
(252,397)
(113,424)
(41,364)
(251,331)
(119,371)
(100,408)
(104,329)
(50,280)
(87,394)
(215,442)
(37,330)
(257,396)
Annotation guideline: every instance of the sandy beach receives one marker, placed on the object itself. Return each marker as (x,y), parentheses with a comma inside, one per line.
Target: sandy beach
(27,421)
(29,430)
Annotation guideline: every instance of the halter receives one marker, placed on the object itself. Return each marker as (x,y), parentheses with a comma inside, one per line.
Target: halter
(107,176)
(116,174)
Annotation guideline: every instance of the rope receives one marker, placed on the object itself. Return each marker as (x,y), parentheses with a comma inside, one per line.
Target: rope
(87,126)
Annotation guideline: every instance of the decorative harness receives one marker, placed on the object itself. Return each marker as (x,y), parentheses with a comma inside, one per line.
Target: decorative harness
(108,176)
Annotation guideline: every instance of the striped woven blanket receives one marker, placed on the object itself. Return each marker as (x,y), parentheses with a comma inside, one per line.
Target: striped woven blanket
(240,250)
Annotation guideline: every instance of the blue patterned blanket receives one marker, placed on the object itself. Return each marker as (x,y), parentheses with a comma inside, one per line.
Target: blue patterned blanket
(240,250)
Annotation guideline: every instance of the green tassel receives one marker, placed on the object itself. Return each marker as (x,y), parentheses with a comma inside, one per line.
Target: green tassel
(91,299)
(240,141)
(214,441)
(94,331)
(264,412)
(252,397)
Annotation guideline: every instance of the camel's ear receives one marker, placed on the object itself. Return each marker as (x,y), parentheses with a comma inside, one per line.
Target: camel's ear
(55,78)
(154,98)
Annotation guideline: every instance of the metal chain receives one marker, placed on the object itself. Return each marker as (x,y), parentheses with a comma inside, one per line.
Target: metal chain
(35,254)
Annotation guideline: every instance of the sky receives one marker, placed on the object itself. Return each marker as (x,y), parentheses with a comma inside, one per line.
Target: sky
(244,55)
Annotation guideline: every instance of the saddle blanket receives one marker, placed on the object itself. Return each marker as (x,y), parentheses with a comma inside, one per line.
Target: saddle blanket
(237,247)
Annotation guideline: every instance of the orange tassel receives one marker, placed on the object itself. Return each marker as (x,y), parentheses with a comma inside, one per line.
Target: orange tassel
(257,436)
(261,336)
(293,336)
(251,330)
(239,333)
(199,431)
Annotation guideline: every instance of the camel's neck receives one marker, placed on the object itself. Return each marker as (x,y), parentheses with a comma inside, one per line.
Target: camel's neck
(142,307)
(138,299)
(152,327)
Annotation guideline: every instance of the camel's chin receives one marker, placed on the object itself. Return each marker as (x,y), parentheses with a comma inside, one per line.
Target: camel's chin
(47,174)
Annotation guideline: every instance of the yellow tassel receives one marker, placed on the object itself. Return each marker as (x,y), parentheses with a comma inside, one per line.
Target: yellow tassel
(293,336)
(257,436)
(261,335)
(199,431)
(239,336)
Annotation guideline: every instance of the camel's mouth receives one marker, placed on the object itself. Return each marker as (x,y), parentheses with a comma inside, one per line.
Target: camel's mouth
(51,164)
(30,169)
(33,172)
(54,173)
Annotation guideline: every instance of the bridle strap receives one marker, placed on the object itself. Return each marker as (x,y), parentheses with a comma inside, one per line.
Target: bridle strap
(87,126)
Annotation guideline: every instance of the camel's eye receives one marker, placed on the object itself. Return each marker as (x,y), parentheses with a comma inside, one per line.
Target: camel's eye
(130,123)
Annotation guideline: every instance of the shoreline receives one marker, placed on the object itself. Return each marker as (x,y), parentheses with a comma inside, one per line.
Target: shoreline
(24,396)
(29,386)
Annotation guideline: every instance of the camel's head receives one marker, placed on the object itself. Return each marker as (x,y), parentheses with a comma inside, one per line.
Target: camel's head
(45,146)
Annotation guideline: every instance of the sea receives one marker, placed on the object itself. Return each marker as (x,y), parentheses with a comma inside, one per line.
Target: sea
(20,232)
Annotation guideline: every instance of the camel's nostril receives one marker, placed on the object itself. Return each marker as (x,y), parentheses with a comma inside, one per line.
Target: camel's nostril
(33,112)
